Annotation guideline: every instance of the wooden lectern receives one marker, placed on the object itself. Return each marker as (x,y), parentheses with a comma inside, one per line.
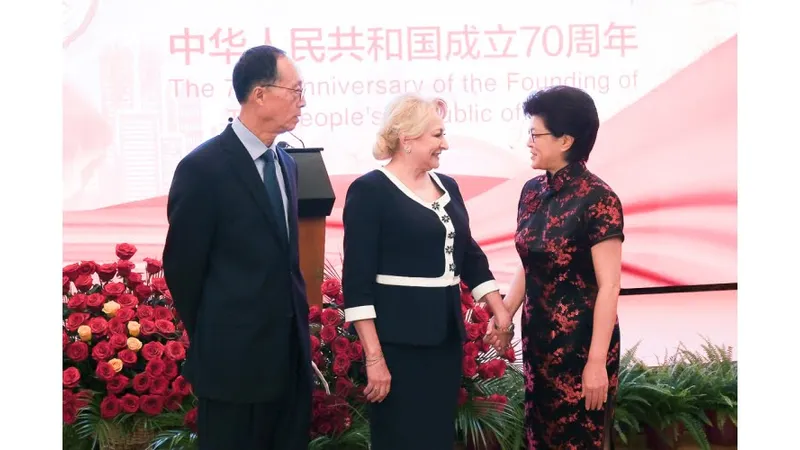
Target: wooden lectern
(315,199)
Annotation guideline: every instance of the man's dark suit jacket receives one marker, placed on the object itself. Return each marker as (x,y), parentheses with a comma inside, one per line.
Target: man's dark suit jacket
(235,280)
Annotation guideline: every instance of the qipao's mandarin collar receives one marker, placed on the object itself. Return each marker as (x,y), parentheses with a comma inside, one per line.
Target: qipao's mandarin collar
(565,175)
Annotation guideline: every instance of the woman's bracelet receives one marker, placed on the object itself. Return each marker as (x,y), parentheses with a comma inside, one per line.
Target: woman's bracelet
(372,362)
(509,329)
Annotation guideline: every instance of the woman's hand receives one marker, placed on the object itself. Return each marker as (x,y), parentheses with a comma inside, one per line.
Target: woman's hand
(595,384)
(378,380)
(500,331)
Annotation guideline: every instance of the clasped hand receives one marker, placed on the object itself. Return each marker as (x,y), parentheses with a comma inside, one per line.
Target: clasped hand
(499,333)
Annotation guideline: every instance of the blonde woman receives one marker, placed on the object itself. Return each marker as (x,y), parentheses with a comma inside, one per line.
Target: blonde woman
(407,246)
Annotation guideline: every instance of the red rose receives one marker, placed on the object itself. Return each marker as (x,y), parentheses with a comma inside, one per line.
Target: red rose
(114,289)
(70,377)
(174,350)
(65,285)
(130,403)
(141,383)
(110,407)
(102,351)
(510,354)
(328,334)
(184,339)
(98,325)
(126,314)
(159,385)
(331,287)
(480,315)
(117,384)
(499,400)
(339,300)
(142,291)
(95,300)
(173,401)
(64,340)
(106,272)
(467,300)
(495,368)
(155,368)
(162,313)
(341,345)
(463,396)
(87,268)
(190,420)
(71,271)
(124,268)
(473,331)
(116,325)
(104,371)
(471,350)
(77,301)
(356,352)
(128,357)
(344,387)
(165,326)
(134,279)
(181,385)
(469,367)
(145,312)
(70,413)
(159,284)
(314,314)
(147,327)
(341,364)
(84,282)
(127,300)
(75,320)
(118,341)
(314,344)
(151,404)
(77,351)
(170,369)
(152,350)
(125,251)
(153,266)
(331,317)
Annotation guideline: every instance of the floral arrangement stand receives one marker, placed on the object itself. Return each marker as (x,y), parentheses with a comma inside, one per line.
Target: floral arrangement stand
(123,352)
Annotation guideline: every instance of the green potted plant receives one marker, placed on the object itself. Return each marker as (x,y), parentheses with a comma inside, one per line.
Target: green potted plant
(635,397)
(719,383)
(681,410)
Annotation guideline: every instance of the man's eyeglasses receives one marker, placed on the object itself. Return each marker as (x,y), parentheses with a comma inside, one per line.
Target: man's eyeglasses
(300,93)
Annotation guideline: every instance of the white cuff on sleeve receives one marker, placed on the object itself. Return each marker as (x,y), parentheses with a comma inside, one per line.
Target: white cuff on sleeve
(483,289)
(359,313)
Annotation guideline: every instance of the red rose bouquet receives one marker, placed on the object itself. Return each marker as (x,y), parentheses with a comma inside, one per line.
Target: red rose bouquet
(123,348)
(338,409)
(490,413)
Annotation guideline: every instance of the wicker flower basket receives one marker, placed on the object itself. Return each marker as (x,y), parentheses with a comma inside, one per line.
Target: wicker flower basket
(138,439)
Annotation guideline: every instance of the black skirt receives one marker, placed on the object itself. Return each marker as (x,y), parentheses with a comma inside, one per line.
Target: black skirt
(419,412)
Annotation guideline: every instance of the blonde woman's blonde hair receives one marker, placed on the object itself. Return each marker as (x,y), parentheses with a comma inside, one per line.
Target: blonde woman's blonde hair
(408,115)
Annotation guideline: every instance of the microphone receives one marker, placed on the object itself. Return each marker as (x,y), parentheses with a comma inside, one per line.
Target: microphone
(301,141)
(282,145)
(230,119)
